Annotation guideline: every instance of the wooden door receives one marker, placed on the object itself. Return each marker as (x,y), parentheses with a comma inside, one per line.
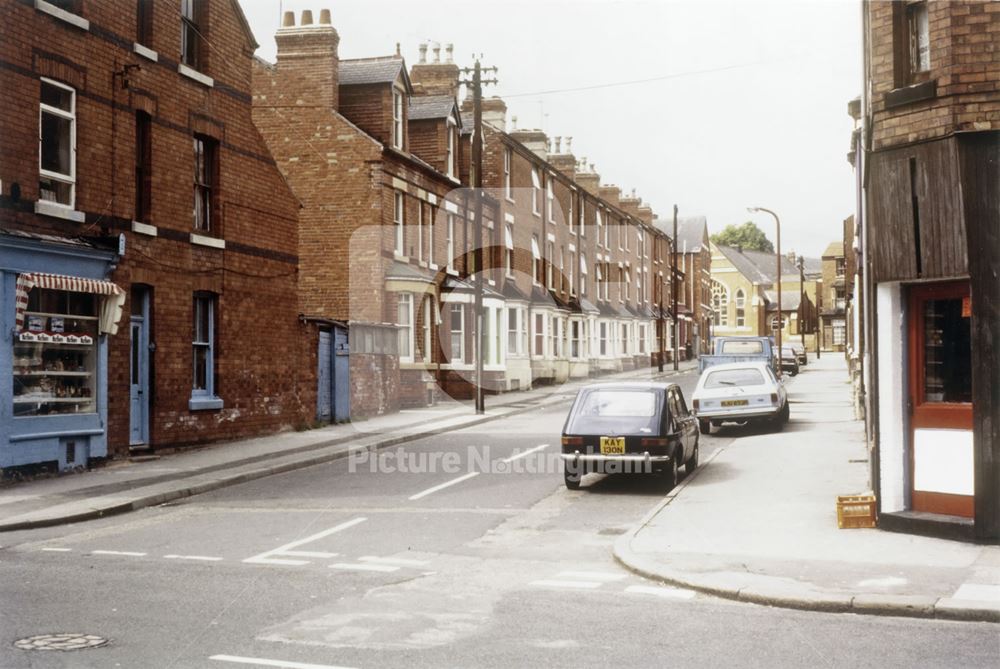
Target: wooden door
(940,399)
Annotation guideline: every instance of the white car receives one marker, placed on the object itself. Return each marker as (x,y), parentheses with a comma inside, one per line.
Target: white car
(740,392)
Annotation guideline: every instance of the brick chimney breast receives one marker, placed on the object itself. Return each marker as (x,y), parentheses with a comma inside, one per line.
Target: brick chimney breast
(435,78)
(610,193)
(535,141)
(307,71)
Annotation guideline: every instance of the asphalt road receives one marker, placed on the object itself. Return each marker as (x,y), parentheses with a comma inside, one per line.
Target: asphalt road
(486,560)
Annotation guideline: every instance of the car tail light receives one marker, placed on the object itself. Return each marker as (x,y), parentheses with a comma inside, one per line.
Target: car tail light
(774,398)
(646,442)
(694,404)
(572,441)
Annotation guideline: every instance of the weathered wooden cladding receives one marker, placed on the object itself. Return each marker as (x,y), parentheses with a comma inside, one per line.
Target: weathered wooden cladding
(939,218)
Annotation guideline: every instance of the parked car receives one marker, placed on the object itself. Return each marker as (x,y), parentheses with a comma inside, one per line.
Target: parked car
(800,354)
(742,393)
(739,349)
(636,427)
(789,361)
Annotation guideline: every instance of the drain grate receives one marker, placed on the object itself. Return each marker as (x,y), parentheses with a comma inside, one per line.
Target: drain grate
(61,642)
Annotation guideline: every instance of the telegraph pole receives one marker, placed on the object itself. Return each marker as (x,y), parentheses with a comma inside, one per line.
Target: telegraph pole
(476,174)
(802,300)
(673,290)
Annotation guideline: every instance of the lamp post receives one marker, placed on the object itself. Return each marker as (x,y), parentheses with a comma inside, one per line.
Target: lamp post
(777,253)
(802,299)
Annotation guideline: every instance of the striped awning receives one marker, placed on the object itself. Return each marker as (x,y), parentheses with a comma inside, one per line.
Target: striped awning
(111,307)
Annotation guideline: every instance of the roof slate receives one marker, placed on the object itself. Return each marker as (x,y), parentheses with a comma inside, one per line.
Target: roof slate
(431,106)
(691,231)
(383,70)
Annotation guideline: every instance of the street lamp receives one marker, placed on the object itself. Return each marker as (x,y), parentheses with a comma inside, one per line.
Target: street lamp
(777,225)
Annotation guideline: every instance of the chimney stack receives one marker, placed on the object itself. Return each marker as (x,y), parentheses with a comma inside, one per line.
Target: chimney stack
(308,67)
(564,162)
(534,140)
(587,178)
(436,77)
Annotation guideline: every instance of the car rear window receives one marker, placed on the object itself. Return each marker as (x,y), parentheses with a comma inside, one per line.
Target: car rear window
(739,347)
(734,377)
(616,411)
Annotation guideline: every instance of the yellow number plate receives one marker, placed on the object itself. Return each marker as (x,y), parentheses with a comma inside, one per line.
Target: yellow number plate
(612,445)
(735,403)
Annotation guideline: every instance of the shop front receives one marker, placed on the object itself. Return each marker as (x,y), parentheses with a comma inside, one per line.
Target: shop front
(57,313)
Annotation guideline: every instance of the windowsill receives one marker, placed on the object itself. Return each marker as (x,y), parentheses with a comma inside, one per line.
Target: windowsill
(509,199)
(195,75)
(205,403)
(433,266)
(452,272)
(421,263)
(905,95)
(47,208)
(144,228)
(212,242)
(61,14)
(400,257)
(145,52)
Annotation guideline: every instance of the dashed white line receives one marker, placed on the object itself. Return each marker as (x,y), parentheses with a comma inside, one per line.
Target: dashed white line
(403,562)
(57,550)
(604,576)
(363,567)
(526,453)
(126,553)
(288,549)
(669,593)
(261,662)
(557,583)
(320,555)
(442,486)
(203,558)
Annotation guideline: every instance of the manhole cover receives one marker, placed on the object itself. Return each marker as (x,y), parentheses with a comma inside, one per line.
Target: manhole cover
(60,642)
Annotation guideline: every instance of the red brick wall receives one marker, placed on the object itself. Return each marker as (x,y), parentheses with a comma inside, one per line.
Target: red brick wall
(965,63)
(255,275)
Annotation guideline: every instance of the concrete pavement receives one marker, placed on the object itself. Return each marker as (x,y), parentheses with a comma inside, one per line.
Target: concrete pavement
(126,486)
(757,522)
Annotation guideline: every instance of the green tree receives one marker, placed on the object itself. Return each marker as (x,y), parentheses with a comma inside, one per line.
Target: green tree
(748,235)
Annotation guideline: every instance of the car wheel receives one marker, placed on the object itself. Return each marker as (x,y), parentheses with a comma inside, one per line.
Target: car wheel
(786,413)
(571,477)
(705,426)
(692,463)
(670,473)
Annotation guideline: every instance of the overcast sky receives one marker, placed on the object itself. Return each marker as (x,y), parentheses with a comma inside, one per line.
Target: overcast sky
(747,104)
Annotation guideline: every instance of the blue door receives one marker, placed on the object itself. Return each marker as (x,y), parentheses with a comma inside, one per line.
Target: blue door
(139,383)
(324,375)
(341,374)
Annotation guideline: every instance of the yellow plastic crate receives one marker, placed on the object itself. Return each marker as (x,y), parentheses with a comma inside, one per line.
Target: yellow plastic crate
(855,511)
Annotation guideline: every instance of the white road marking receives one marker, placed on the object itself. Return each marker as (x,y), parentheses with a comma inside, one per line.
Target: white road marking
(978,592)
(442,486)
(404,562)
(288,549)
(555,583)
(57,550)
(670,593)
(591,575)
(526,453)
(363,567)
(128,553)
(887,582)
(204,558)
(261,662)
(310,554)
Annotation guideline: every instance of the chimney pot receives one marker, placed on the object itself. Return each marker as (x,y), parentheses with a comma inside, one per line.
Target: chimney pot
(289,20)
(558,144)
(592,168)
(569,145)
(307,17)
(449,50)
(437,53)
(513,123)
(324,17)
(423,52)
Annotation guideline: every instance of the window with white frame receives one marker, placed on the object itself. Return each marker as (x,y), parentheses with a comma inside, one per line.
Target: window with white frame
(572,272)
(720,304)
(555,337)
(420,231)
(536,192)
(522,322)
(404,322)
(512,330)
(550,199)
(570,221)
(509,248)
(740,308)
(508,189)
(206,174)
(450,242)
(583,275)
(539,335)
(625,338)
(192,51)
(428,318)
(203,345)
(452,130)
(397,217)
(640,297)
(600,227)
(603,329)
(599,281)
(581,214)
(57,144)
(574,339)
(457,348)
(550,258)
(628,283)
(621,283)
(397,118)
(562,268)
(642,338)
(536,261)
(607,233)
(432,219)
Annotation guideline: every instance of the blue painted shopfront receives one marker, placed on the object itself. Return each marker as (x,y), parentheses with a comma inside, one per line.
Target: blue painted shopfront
(40,430)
